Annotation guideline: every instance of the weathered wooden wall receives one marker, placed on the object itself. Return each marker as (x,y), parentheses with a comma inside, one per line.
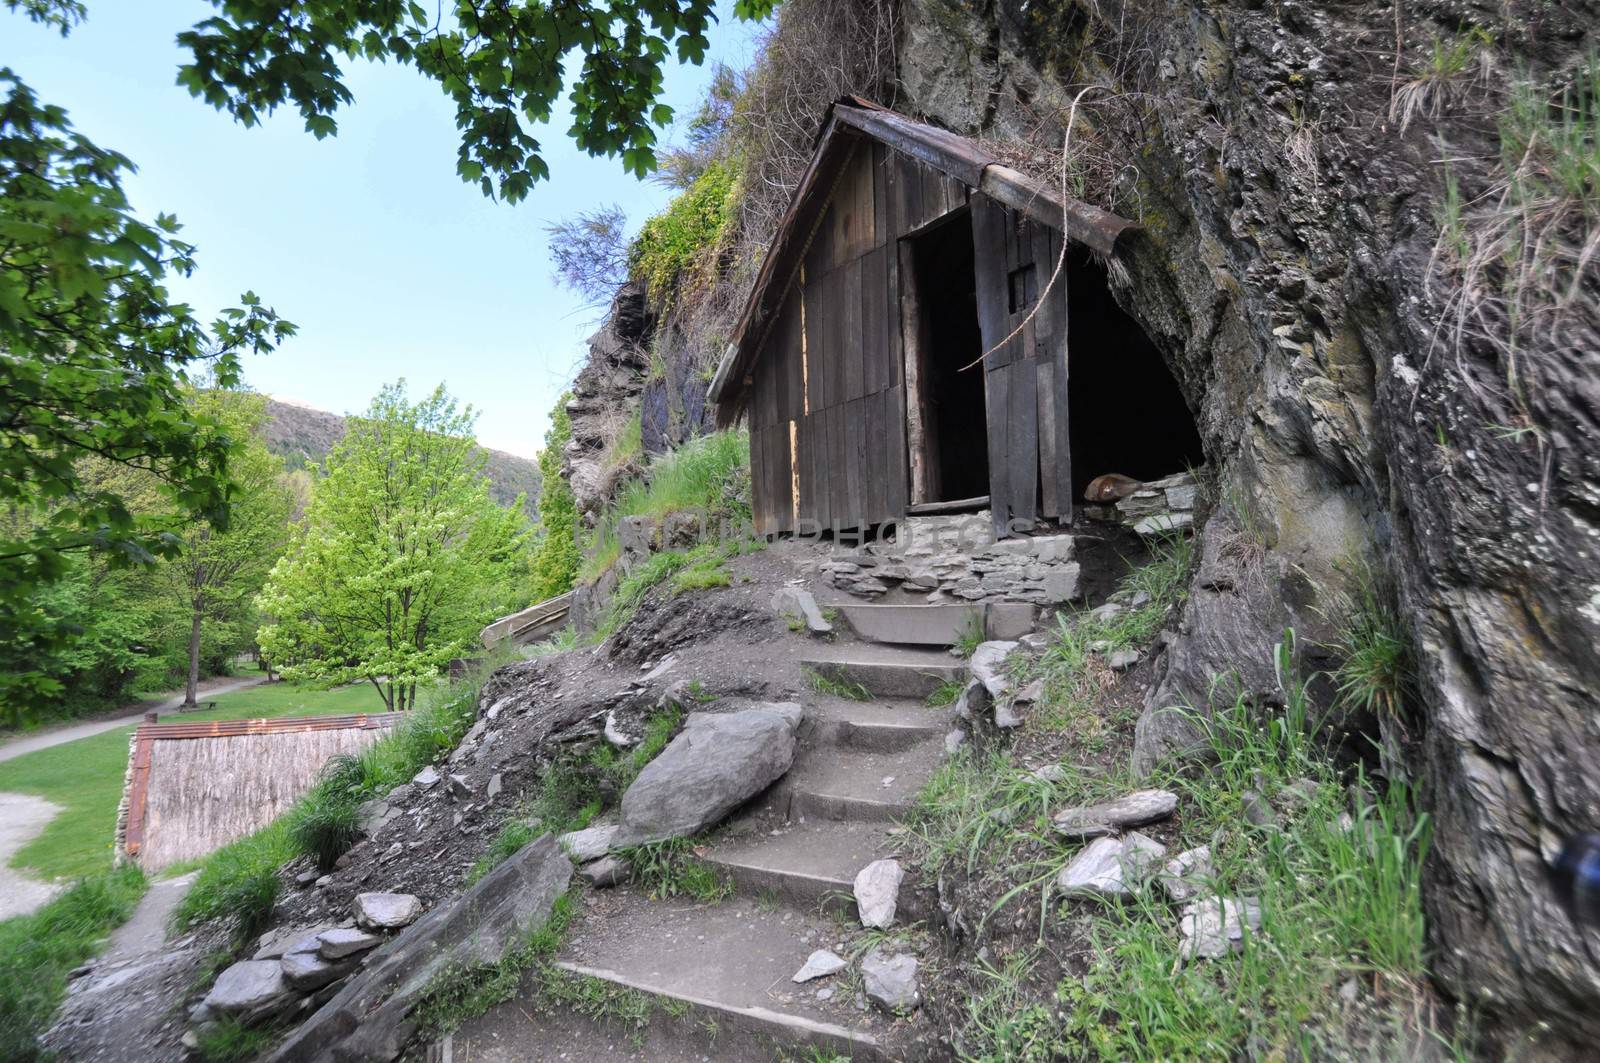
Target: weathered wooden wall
(828,397)
(1025,380)
(827,409)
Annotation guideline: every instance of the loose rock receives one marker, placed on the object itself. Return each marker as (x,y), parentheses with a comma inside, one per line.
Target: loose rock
(891,981)
(344,941)
(1122,660)
(716,764)
(1130,810)
(988,667)
(386,911)
(1108,867)
(250,990)
(1258,811)
(1215,926)
(590,844)
(307,971)
(427,778)
(796,601)
(877,892)
(1185,875)
(819,964)
(606,872)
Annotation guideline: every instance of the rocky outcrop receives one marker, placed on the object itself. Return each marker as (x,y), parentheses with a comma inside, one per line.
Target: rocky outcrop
(369,1019)
(1283,271)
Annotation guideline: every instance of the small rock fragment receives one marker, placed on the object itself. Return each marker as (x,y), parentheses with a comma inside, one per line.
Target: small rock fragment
(819,964)
(606,872)
(1107,867)
(798,602)
(589,844)
(1258,811)
(459,788)
(1184,875)
(877,892)
(1122,660)
(1130,810)
(1106,613)
(493,789)
(954,739)
(306,971)
(1216,926)
(343,941)
(386,911)
(891,981)
(427,778)
(1030,693)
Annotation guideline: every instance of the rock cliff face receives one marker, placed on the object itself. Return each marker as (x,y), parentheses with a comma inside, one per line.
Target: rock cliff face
(1289,225)
(1289,233)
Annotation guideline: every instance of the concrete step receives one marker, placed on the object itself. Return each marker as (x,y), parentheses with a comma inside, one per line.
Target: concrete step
(885,671)
(811,866)
(937,625)
(875,726)
(849,784)
(725,967)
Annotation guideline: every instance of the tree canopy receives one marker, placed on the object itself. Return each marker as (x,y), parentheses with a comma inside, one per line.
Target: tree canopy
(501,64)
(402,556)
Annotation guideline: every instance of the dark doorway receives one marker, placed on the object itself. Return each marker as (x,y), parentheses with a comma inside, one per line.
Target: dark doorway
(1126,413)
(948,444)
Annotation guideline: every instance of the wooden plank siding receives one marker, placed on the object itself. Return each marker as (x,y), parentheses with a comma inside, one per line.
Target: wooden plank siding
(832,363)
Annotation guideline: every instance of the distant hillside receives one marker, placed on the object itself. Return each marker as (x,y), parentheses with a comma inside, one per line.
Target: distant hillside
(303,435)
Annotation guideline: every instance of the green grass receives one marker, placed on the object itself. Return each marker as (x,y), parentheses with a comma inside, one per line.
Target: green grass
(574,790)
(460,993)
(37,951)
(1337,903)
(948,693)
(85,777)
(231,1041)
(838,688)
(670,869)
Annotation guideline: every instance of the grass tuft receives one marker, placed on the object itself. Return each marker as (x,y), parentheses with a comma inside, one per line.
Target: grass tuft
(462,992)
(671,869)
(832,686)
(37,952)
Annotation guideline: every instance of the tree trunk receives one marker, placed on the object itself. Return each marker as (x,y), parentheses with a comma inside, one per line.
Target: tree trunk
(192,688)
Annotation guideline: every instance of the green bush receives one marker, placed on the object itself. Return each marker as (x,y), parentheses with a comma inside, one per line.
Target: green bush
(678,248)
(37,951)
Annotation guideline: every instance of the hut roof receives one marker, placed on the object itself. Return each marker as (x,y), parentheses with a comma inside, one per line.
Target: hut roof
(193,787)
(847,122)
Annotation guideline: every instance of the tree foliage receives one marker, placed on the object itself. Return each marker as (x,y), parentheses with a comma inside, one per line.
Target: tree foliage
(556,558)
(214,579)
(402,556)
(501,64)
(590,252)
(94,358)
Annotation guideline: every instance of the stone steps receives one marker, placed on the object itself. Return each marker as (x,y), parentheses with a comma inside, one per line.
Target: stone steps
(936,625)
(874,726)
(849,784)
(810,866)
(885,671)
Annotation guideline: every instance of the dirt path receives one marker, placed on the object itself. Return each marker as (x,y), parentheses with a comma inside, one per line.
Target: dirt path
(126,1007)
(22,817)
(44,740)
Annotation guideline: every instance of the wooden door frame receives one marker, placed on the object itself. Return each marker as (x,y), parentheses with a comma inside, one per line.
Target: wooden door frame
(920,427)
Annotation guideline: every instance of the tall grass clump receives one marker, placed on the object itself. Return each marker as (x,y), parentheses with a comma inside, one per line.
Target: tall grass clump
(38,951)
(1339,884)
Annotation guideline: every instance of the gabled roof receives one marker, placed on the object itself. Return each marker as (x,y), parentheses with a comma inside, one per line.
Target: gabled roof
(847,122)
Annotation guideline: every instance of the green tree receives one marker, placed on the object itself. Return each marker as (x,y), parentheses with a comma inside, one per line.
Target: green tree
(94,358)
(219,571)
(556,557)
(402,556)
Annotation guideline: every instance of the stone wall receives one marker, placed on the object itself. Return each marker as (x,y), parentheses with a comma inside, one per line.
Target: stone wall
(950,559)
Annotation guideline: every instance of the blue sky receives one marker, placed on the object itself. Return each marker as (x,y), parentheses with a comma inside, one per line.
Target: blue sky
(390,265)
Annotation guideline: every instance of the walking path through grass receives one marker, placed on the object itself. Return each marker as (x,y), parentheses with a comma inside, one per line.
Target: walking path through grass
(22,816)
(21,747)
(83,777)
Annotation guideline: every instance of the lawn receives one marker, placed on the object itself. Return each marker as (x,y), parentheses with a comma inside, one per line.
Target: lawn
(85,777)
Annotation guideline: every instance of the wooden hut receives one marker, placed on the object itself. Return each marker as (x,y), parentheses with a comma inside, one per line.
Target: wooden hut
(907,252)
(192,788)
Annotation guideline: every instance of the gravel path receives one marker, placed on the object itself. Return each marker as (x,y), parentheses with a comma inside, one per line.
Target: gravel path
(22,817)
(44,740)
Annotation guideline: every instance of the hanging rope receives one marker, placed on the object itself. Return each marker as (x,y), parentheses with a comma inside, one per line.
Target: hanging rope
(1061,259)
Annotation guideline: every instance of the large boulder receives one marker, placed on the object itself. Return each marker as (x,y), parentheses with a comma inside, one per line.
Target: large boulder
(250,990)
(719,762)
(369,1020)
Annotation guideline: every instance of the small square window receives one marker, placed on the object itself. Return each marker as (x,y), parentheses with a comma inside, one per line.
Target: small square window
(1021,285)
